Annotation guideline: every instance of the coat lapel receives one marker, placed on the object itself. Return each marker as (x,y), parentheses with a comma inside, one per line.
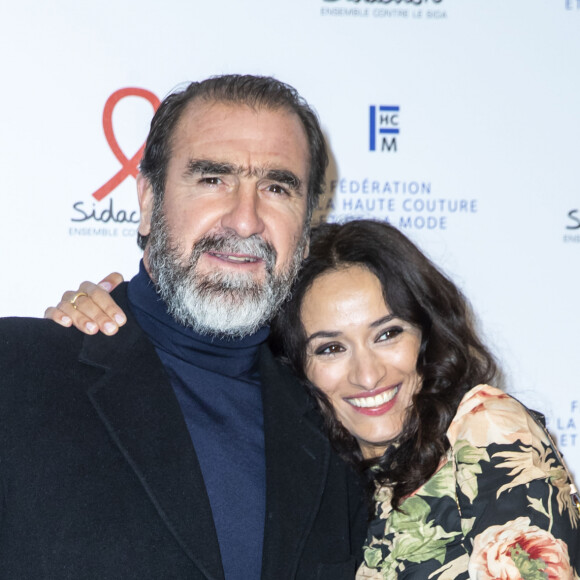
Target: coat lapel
(137,405)
(297,462)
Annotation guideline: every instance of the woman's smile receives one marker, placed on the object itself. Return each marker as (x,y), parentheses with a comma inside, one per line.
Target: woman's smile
(375,402)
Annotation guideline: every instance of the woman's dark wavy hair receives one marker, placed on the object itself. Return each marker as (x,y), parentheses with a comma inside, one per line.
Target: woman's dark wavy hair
(258,92)
(452,359)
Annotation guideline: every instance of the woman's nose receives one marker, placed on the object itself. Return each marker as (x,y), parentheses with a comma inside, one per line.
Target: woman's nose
(368,370)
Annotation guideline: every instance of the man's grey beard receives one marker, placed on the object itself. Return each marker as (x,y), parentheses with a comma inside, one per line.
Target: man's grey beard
(221,303)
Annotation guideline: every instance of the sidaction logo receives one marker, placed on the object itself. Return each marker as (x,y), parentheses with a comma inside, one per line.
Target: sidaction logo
(91,216)
(128,166)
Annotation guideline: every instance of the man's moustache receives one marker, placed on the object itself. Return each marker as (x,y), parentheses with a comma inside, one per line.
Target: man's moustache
(234,244)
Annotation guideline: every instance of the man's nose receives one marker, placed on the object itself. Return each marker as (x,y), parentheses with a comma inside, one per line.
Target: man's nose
(243,214)
(367,370)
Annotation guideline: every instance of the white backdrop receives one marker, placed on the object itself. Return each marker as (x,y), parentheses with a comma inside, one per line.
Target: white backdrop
(480,166)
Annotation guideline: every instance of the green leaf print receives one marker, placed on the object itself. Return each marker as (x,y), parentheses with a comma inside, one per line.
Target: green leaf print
(441,484)
(373,557)
(418,540)
(468,460)
(529,569)
(465,452)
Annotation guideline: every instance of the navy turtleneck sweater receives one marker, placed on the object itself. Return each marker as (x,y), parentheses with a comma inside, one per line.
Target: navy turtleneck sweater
(217,385)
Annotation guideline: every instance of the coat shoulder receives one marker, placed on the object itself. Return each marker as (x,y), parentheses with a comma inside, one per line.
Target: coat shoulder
(28,341)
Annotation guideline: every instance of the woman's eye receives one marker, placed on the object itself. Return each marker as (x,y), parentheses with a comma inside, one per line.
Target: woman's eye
(389,334)
(328,349)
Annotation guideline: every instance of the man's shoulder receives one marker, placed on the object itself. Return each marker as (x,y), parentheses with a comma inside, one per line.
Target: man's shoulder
(32,334)
(24,324)
(29,342)
(44,362)
(40,334)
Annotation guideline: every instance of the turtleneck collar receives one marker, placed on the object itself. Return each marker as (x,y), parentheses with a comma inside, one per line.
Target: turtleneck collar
(236,358)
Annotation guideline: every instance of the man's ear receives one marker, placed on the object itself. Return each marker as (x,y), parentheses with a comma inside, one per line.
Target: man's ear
(306,250)
(145,195)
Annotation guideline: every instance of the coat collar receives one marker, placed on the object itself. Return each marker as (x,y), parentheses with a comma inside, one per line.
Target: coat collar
(297,463)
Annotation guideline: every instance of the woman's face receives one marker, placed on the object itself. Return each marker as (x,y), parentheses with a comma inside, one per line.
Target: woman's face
(361,356)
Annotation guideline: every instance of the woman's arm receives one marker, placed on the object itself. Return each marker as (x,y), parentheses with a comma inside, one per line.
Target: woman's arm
(90,308)
(514,495)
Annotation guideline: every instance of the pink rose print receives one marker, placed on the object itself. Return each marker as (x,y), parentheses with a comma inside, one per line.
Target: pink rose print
(519,551)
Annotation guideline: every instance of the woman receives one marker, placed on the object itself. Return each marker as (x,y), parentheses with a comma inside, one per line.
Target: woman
(466,483)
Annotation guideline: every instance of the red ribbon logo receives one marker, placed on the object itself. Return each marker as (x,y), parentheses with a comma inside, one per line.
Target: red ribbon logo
(129,166)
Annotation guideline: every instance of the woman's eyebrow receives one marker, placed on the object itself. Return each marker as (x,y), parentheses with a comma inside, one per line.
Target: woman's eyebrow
(335,333)
(382,320)
(322,334)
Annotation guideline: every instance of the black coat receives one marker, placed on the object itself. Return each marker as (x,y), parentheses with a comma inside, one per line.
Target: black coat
(99,478)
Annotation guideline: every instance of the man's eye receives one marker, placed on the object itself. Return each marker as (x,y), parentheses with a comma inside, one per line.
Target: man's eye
(327,349)
(277,188)
(210,180)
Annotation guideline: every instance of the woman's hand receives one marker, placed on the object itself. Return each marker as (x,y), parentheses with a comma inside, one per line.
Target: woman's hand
(90,308)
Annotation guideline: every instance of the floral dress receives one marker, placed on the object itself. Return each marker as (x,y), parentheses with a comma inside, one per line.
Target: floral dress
(500,506)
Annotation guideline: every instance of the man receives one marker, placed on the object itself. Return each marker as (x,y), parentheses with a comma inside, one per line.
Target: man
(179,448)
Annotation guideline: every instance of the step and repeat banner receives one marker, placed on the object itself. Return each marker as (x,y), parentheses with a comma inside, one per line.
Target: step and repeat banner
(458,121)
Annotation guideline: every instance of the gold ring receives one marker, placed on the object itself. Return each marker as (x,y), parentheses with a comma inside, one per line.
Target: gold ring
(76,297)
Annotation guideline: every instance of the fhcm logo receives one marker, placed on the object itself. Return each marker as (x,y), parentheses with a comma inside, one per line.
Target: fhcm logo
(383,128)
